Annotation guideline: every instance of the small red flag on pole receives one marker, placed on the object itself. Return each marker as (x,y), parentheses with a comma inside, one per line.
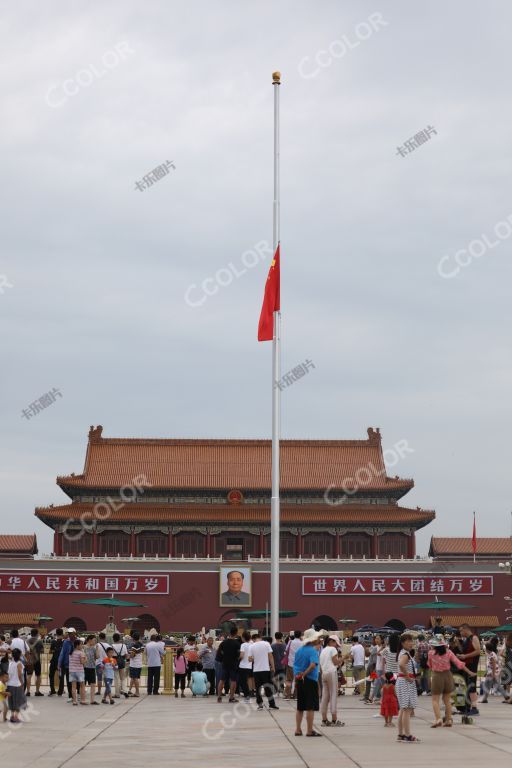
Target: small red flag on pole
(271,300)
(473,540)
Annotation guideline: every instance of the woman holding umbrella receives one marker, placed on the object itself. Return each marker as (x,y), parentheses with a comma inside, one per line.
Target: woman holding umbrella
(440,658)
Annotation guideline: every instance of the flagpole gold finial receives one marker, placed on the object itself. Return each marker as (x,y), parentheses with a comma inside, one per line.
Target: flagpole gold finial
(276,78)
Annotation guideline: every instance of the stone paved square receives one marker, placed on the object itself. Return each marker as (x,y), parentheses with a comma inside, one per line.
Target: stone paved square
(163,730)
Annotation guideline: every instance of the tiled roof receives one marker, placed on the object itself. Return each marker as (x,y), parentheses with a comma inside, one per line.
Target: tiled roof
(355,514)
(18,543)
(463,546)
(16,620)
(473,621)
(240,464)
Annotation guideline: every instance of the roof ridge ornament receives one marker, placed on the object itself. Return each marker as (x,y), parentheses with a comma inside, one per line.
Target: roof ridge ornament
(374,436)
(95,433)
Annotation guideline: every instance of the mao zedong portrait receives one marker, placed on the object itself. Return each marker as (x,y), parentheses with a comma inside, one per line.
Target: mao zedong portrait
(235,594)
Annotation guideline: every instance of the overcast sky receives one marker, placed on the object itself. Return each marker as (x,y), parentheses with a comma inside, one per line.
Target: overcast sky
(97,94)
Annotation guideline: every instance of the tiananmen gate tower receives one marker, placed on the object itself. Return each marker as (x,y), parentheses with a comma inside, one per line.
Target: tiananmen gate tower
(183,527)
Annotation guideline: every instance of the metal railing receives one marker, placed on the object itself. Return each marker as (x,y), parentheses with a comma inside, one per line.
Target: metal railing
(167,673)
(249,559)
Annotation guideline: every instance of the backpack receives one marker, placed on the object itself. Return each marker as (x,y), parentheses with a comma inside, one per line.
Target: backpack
(121,661)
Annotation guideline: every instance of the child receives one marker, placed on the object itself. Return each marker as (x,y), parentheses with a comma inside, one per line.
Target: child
(389,701)
(180,672)
(109,666)
(15,686)
(492,679)
(200,684)
(76,672)
(4,694)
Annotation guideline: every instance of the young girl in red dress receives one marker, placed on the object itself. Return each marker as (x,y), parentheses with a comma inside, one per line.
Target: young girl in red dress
(389,701)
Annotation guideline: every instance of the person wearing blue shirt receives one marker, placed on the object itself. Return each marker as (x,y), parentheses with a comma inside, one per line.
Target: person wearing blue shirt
(199,684)
(63,663)
(305,670)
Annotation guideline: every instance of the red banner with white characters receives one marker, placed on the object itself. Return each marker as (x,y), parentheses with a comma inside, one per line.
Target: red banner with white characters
(69,582)
(420,586)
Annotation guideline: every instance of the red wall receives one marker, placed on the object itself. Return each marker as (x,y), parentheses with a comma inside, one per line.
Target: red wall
(194,602)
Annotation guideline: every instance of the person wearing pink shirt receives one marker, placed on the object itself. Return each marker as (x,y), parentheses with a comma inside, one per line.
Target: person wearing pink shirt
(440,660)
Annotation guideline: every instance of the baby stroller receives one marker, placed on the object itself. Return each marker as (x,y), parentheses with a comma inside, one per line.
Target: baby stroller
(460,699)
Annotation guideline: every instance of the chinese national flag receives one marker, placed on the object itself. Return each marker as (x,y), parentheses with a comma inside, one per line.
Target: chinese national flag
(473,540)
(271,301)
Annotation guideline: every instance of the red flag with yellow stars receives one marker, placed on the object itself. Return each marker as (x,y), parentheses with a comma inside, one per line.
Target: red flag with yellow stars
(271,300)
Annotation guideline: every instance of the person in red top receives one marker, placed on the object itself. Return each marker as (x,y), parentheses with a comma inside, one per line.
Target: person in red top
(389,701)
(440,659)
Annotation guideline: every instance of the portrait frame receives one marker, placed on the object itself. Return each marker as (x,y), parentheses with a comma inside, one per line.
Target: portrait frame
(224,600)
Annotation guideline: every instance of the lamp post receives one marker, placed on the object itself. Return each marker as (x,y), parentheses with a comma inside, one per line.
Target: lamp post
(507,567)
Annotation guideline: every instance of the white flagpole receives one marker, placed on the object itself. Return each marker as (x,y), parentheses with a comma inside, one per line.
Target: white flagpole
(474,529)
(276,392)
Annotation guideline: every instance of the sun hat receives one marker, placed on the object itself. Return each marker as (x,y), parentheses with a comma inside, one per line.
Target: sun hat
(336,640)
(310,635)
(70,630)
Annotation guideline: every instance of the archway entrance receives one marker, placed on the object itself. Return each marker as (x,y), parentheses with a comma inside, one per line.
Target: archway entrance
(396,624)
(146,621)
(325,622)
(77,623)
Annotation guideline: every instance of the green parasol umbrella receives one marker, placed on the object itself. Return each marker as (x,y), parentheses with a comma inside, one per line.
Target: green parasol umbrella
(440,605)
(111,602)
(258,614)
(504,628)
(261,614)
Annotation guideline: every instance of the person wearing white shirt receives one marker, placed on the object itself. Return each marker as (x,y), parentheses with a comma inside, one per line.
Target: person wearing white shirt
(18,642)
(262,660)
(245,666)
(121,656)
(329,663)
(155,651)
(294,643)
(358,656)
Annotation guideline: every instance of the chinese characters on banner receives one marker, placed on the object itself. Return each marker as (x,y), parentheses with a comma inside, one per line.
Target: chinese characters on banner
(86,583)
(397,585)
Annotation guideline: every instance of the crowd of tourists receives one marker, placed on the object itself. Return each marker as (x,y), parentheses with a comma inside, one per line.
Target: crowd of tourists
(310,668)
(107,670)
